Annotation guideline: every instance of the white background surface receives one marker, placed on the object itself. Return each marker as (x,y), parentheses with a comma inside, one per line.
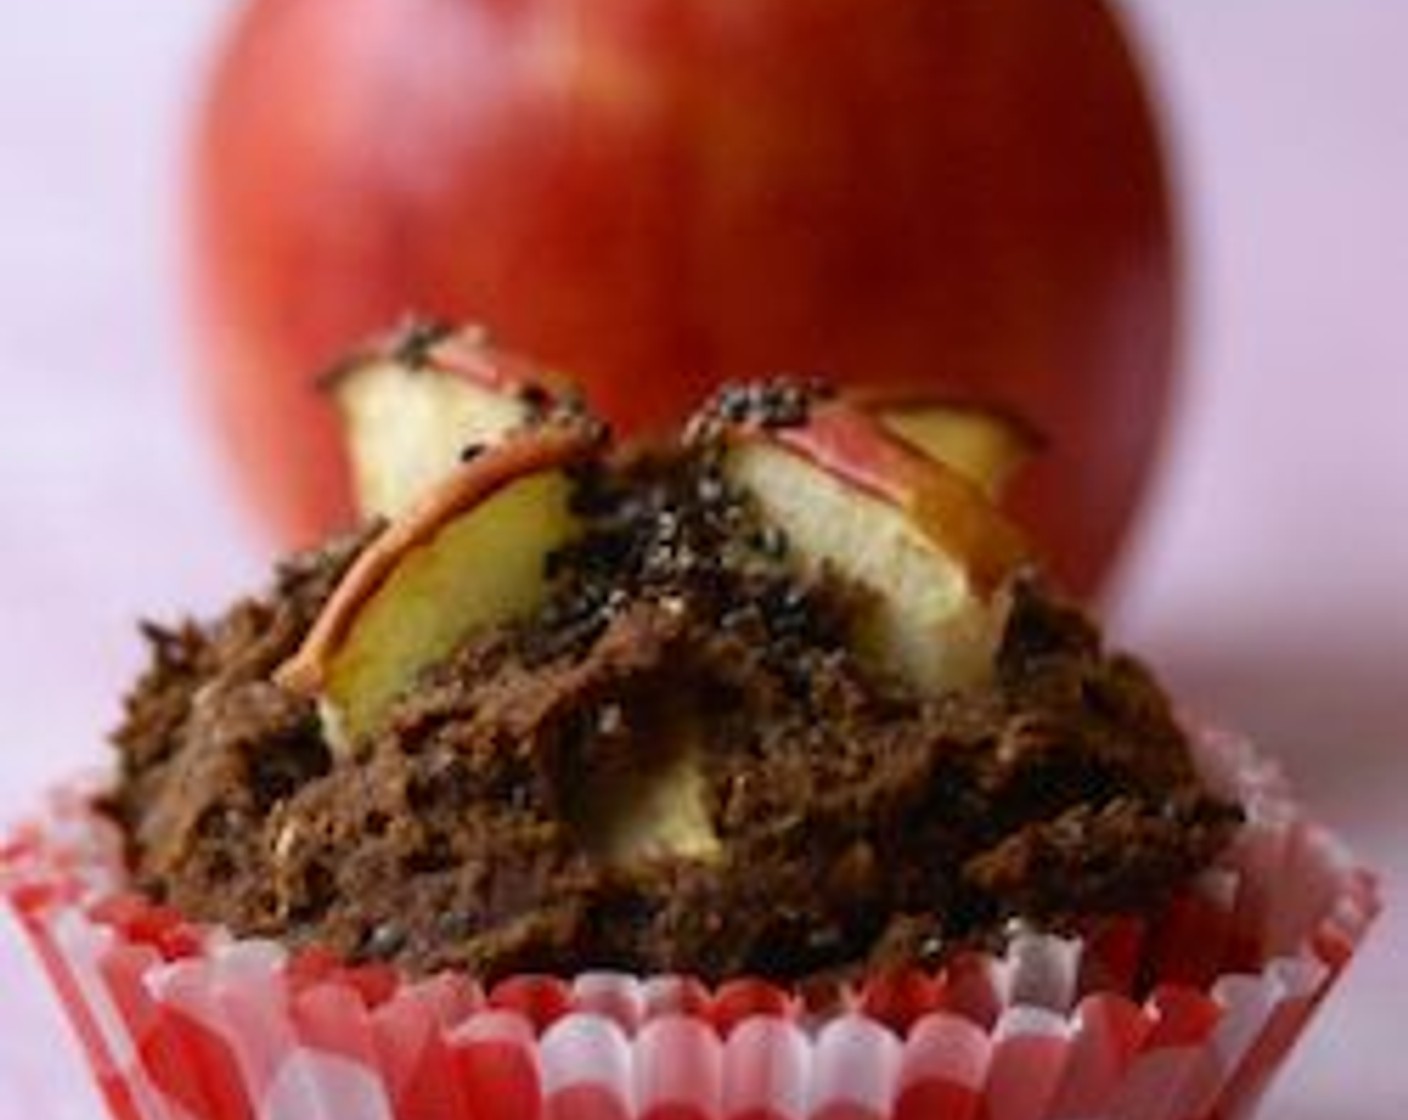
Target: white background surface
(1269,584)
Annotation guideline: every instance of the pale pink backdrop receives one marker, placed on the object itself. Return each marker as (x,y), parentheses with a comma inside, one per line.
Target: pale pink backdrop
(1269,583)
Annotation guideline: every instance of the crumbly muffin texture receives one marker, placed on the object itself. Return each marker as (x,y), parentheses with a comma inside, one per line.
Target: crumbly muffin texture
(839,821)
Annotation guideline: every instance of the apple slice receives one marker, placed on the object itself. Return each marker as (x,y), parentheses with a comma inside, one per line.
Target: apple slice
(988,446)
(411,407)
(470,555)
(630,817)
(937,555)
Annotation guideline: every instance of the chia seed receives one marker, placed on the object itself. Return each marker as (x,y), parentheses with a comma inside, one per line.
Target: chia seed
(383,941)
(665,527)
(417,339)
(784,401)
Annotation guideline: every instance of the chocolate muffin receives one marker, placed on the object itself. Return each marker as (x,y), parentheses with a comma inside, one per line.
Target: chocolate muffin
(756,772)
(684,756)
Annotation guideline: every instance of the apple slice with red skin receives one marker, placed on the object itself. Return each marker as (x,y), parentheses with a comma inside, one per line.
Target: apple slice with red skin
(934,552)
(410,407)
(988,446)
(843,487)
(406,416)
(470,555)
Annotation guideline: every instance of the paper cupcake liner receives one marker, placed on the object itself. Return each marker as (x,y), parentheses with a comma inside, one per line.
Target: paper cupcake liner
(1185,1017)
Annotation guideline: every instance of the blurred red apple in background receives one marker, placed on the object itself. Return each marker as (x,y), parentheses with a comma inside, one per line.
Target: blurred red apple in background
(659,194)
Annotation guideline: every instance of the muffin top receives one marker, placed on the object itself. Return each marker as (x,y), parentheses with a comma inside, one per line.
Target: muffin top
(697,742)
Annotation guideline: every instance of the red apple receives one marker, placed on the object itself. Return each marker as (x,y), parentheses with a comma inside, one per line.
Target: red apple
(942,195)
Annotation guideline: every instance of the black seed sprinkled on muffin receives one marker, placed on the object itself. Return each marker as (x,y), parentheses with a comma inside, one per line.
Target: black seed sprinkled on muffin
(784,401)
